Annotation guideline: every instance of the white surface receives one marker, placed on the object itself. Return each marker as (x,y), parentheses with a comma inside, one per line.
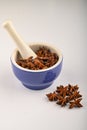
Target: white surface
(62,23)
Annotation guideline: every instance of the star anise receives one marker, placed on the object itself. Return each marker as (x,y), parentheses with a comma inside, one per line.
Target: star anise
(59,89)
(76,103)
(45,59)
(52,96)
(62,101)
(72,88)
(75,95)
(62,91)
(66,95)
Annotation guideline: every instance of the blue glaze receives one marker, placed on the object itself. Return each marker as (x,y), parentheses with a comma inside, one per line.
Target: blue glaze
(37,80)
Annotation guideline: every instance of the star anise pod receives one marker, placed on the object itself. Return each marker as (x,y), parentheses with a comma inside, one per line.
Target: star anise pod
(61,90)
(66,95)
(62,101)
(52,96)
(75,103)
(72,88)
(75,95)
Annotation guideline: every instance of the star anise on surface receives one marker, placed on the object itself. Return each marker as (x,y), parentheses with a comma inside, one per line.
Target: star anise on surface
(64,95)
(62,101)
(52,96)
(75,103)
(72,88)
(75,95)
(62,91)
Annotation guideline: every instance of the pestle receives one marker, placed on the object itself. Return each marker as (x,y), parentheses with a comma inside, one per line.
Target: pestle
(23,48)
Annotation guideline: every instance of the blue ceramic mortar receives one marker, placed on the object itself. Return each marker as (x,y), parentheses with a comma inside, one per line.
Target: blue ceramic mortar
(37,79)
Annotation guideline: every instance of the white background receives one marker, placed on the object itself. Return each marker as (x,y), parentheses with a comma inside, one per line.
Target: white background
(59,22)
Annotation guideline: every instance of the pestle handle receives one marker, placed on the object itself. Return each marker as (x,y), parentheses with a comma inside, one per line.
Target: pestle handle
(23,48)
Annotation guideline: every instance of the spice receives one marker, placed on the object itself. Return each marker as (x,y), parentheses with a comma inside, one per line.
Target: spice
(75,103)
(52,96)
(66,95)
(62,101)
(45,59)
